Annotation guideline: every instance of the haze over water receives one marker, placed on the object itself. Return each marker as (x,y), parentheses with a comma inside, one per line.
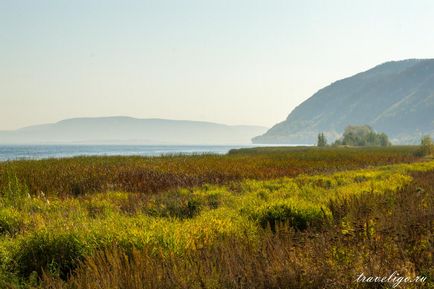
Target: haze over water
(14,152)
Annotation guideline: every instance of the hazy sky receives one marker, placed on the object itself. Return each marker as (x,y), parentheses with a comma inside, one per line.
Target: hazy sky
(235,62)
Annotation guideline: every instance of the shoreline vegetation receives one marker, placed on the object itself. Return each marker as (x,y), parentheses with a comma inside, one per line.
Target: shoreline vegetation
(300,217)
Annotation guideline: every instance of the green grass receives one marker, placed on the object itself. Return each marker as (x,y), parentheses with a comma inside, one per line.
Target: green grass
(50,234)
(84,175)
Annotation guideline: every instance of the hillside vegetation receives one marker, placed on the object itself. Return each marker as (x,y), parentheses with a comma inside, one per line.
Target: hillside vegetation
(396,98)
(362,135)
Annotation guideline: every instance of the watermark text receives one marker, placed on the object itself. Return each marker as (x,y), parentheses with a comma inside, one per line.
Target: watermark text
(395,279)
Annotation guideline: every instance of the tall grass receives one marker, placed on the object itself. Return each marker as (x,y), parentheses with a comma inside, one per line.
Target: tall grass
(82,175)
(234,232)
(374,234)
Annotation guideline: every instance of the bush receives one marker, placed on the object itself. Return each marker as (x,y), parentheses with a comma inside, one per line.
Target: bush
(294,214)
(180,204)
(363,135)
(322,140)
(426,147)
(11,221)
(56,253)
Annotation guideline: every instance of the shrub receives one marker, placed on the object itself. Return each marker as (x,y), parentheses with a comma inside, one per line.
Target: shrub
(322,140)
(98,208)
(363,135)
(296,214)
(426,146)
(56,253)
(11,221)
(179,204)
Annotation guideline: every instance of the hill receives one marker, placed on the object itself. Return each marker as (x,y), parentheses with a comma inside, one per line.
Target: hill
(127,130)
(395,97)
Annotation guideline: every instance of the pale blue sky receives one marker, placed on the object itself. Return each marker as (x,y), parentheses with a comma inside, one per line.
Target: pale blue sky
(234,62)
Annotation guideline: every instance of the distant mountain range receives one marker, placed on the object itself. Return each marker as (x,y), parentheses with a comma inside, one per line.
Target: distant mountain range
(128,130)
(395,97)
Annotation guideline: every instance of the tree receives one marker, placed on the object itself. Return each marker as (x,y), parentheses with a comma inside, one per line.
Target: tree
(322,140)
(426,146)
(363,135)
(384,140)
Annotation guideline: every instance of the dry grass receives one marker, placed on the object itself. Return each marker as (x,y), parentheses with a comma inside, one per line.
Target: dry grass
(262,218)
(83,175)
(374,234)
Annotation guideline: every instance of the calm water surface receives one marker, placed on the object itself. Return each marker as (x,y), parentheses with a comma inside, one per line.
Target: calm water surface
(14,152)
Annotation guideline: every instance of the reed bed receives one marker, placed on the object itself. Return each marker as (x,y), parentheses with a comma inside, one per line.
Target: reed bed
(313,219)
(84,175)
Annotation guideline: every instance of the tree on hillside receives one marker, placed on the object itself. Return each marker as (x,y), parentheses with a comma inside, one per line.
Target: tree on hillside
(322,140)
(363,135)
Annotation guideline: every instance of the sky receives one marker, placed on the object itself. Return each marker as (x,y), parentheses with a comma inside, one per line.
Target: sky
(235,62)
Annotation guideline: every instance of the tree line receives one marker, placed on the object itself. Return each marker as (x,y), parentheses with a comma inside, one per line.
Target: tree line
(364,135)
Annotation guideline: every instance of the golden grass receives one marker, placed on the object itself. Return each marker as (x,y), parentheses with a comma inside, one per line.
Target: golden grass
(311,227)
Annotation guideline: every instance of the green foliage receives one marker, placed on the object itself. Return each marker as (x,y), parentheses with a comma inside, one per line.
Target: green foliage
(13,192)
(55,252)
(82,176)
(322,140)
(400,88)
(426,146)
(363,135)
(54,234)
(379,233)
(296,214)
(178,204)
(11,221)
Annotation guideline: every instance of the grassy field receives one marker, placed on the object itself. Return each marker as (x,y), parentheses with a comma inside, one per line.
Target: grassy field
(83,175)
(255,218)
